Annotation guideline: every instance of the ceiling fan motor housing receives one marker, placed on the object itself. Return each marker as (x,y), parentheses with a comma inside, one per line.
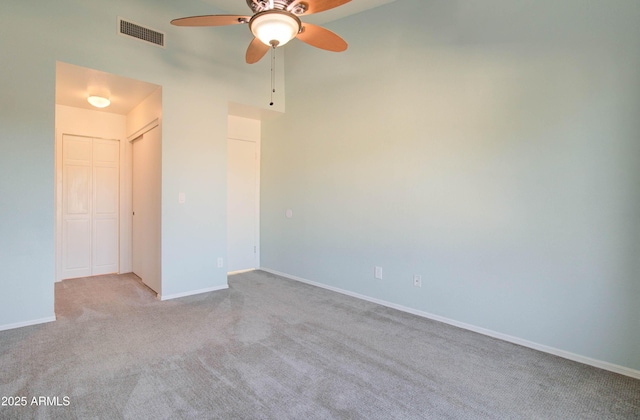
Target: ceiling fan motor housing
(263,5)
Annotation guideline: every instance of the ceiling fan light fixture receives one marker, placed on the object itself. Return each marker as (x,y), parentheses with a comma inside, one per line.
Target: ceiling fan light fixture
(275,27)
(98,101)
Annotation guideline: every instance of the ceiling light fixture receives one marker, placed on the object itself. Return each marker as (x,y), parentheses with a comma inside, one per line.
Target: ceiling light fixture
(99,101)
(275,27)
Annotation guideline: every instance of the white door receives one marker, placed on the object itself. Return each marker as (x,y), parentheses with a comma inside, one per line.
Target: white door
(106,206)
(90,204)
(147,175)
(242,205)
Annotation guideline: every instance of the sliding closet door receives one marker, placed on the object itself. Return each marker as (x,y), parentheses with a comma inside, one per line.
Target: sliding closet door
(147,177)
(90,191)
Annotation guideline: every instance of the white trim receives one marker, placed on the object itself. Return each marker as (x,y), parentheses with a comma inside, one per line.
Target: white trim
(505,337)
(145,129)
(231,273)
(193,292)
(27,323)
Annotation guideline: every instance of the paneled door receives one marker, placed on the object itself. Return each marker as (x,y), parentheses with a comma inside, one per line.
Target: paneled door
(90,206)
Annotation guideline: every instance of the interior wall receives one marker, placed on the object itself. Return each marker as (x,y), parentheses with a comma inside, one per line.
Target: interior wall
(243,128)
(201,70)
(82,122)
(490,147)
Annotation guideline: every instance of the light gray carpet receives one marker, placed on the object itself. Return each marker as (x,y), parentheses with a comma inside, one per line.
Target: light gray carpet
(271,348)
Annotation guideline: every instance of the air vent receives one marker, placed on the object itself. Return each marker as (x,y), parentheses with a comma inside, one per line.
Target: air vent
(134,30)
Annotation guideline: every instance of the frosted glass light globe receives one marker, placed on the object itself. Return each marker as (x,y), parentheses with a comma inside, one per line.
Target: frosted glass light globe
(275,27)
(99,101)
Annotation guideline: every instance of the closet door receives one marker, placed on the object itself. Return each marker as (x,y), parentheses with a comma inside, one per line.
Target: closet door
(147,205)
(106,181)
(77,161)
(90,203)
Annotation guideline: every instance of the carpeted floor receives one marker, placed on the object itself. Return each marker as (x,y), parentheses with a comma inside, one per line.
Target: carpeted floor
(272,348)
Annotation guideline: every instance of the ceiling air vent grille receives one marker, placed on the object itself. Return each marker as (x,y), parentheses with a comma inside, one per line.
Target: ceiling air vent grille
(129,28)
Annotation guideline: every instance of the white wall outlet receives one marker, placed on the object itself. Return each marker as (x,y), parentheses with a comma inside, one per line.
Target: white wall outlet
(417,280)
(220,262)
(182,198)
(378,272)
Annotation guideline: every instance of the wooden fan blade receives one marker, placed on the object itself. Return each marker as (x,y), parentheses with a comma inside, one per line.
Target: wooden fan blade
(211,20)
(317,6)
(257,49)
(322,38)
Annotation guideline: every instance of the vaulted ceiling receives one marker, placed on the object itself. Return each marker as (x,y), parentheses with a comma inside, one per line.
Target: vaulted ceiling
(239,7)
(74,84)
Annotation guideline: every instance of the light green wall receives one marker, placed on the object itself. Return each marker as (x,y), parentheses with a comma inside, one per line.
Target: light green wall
(200,70)
(490,146)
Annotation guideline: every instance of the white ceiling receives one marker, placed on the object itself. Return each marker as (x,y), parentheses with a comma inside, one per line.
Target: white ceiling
(75,84)
(239,7)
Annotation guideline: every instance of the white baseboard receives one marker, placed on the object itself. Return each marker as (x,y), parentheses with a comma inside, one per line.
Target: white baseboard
(193,292)
(27,323)
(505,337)
(231,273)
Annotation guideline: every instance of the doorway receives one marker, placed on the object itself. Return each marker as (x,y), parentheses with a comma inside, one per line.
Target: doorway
(135,105)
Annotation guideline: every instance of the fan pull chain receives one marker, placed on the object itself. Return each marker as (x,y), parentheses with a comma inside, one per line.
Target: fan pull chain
(273,73)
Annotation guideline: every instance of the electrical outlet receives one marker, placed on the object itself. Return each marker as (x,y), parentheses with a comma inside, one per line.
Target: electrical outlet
(220,262)
(417,280)
(378,272)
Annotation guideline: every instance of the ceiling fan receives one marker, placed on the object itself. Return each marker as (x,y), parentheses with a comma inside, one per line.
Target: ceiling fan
(276,22)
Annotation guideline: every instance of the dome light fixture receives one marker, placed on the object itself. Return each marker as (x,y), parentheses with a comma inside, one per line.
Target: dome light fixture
(98,101)
(275,27)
